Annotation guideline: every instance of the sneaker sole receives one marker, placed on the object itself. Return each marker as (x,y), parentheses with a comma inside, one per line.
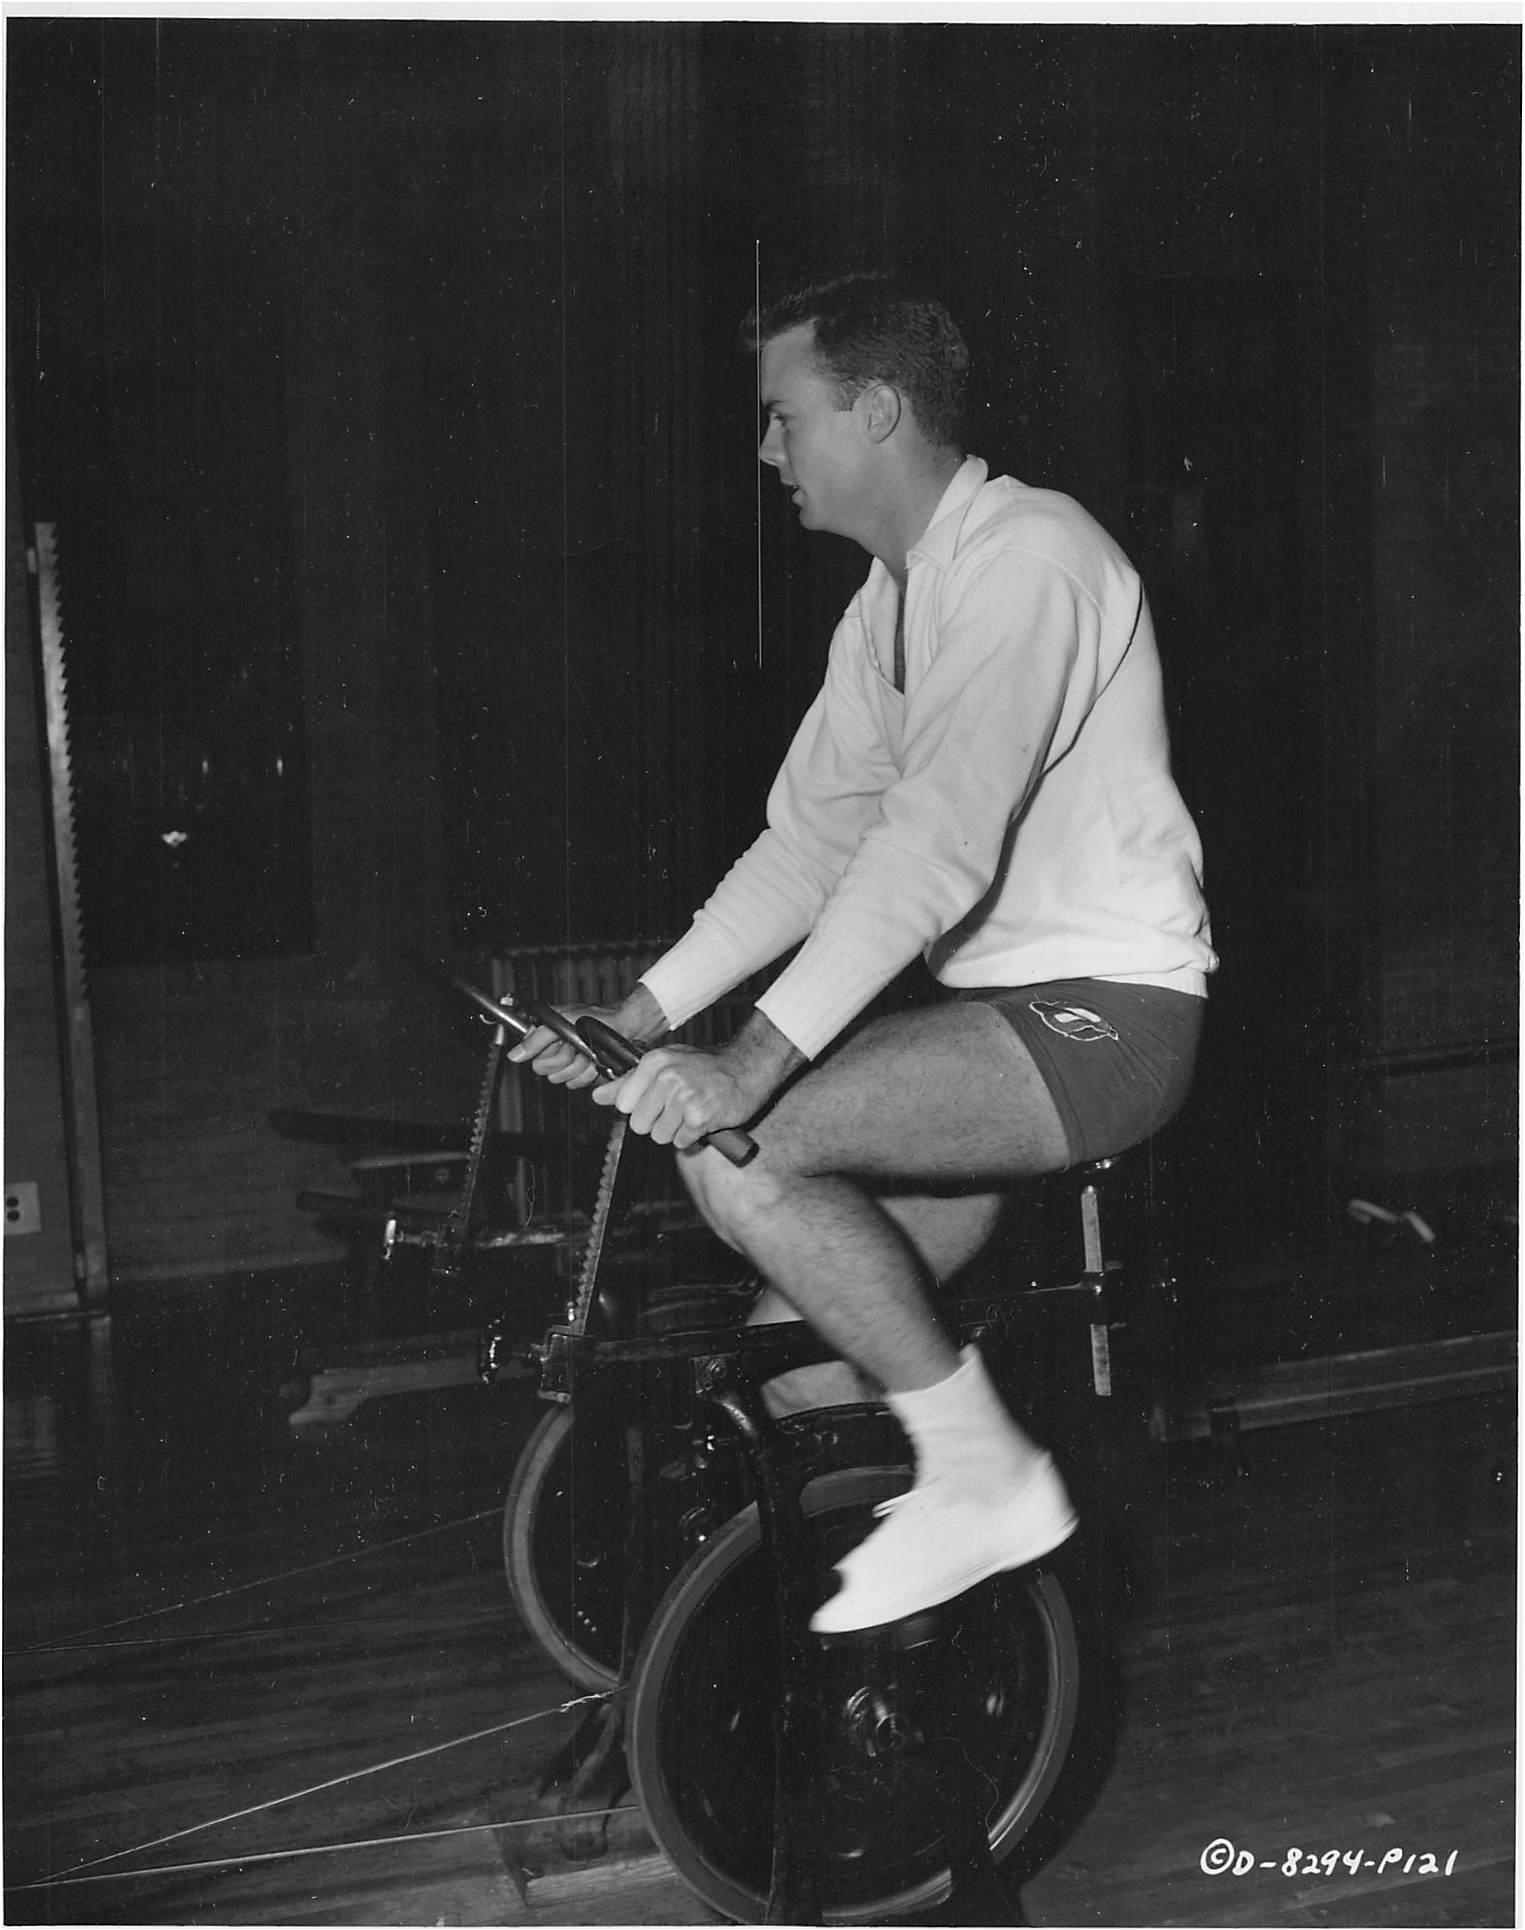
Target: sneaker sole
(917,1604)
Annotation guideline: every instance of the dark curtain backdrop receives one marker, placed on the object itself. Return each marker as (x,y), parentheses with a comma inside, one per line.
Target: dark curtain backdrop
(460,304)
(384,377)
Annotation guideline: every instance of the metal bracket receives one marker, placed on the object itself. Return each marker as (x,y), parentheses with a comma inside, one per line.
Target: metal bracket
(1096,1281)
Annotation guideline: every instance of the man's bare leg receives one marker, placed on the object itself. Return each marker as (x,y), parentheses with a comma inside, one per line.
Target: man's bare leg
(948,1098)
(945,1231)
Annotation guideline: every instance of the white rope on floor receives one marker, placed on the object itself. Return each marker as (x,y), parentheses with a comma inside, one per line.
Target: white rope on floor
(83,1638)
(321,1849)
(73,1870)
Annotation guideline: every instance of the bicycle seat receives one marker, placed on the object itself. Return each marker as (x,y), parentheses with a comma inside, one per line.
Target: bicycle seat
(705,1307)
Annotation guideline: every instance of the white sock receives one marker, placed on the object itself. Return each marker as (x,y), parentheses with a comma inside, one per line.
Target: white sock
(962,1430)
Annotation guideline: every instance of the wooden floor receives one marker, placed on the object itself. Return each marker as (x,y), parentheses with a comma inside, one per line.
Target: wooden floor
(252,1679)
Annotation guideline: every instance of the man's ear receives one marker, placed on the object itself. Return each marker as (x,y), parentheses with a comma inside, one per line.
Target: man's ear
(881,406)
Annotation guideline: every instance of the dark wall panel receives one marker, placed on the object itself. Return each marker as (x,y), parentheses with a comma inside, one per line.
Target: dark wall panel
(423,337)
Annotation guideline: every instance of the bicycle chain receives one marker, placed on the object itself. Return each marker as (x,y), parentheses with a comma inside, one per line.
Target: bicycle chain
(457,1229)
(598,1231)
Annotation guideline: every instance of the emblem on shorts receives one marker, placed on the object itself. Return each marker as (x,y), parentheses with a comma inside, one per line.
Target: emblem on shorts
(1071,1021)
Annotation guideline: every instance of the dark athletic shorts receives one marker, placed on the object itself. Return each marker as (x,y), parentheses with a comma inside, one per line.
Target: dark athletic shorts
(1117,1058)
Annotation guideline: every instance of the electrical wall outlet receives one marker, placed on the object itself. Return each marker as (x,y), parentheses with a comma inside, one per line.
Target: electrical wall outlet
(23,1209)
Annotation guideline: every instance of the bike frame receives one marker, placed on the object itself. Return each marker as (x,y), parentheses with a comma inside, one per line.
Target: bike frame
(726,1377)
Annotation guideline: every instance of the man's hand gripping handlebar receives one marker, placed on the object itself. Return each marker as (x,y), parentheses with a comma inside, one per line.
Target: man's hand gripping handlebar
(608,1050)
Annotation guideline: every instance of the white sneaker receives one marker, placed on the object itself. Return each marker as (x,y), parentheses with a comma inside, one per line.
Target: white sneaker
(936,1541)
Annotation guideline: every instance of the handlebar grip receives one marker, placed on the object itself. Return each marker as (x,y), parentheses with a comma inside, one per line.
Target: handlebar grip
(615,1053)
(738,1145)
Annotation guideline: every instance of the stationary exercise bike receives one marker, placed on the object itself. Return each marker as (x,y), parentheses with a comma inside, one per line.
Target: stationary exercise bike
(666,1541)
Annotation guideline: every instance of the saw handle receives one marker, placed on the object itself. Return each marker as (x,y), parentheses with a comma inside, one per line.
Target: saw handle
(612,1052)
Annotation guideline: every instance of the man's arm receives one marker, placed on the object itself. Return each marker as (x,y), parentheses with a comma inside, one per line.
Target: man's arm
(1012,674)
(820,801)
(819,804)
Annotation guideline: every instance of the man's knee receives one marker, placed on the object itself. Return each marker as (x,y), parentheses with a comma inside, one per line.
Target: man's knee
(735,1201)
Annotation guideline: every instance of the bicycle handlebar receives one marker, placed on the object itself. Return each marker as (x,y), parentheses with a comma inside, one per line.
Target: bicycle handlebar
(609,1050)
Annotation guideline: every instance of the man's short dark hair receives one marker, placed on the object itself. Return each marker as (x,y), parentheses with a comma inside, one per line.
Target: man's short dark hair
(866,331)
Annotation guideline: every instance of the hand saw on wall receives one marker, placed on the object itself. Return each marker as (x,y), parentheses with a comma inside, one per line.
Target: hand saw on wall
(81,1112)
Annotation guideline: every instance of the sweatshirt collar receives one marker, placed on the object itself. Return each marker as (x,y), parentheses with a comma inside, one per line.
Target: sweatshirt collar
(939,539)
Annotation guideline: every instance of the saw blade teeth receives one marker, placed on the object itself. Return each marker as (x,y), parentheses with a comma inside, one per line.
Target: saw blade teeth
(458,1222)
(587,1279)
(55,685)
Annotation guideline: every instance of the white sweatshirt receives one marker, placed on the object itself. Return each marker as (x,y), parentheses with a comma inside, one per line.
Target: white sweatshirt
(1011,816)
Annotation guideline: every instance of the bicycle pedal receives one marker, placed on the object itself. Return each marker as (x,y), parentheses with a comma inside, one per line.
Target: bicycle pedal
(697,1525)
(927,1625)
(686,1466)
(700,1456)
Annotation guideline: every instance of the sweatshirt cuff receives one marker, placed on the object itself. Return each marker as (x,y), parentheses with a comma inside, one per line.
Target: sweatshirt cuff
(825,987)
(699,969)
